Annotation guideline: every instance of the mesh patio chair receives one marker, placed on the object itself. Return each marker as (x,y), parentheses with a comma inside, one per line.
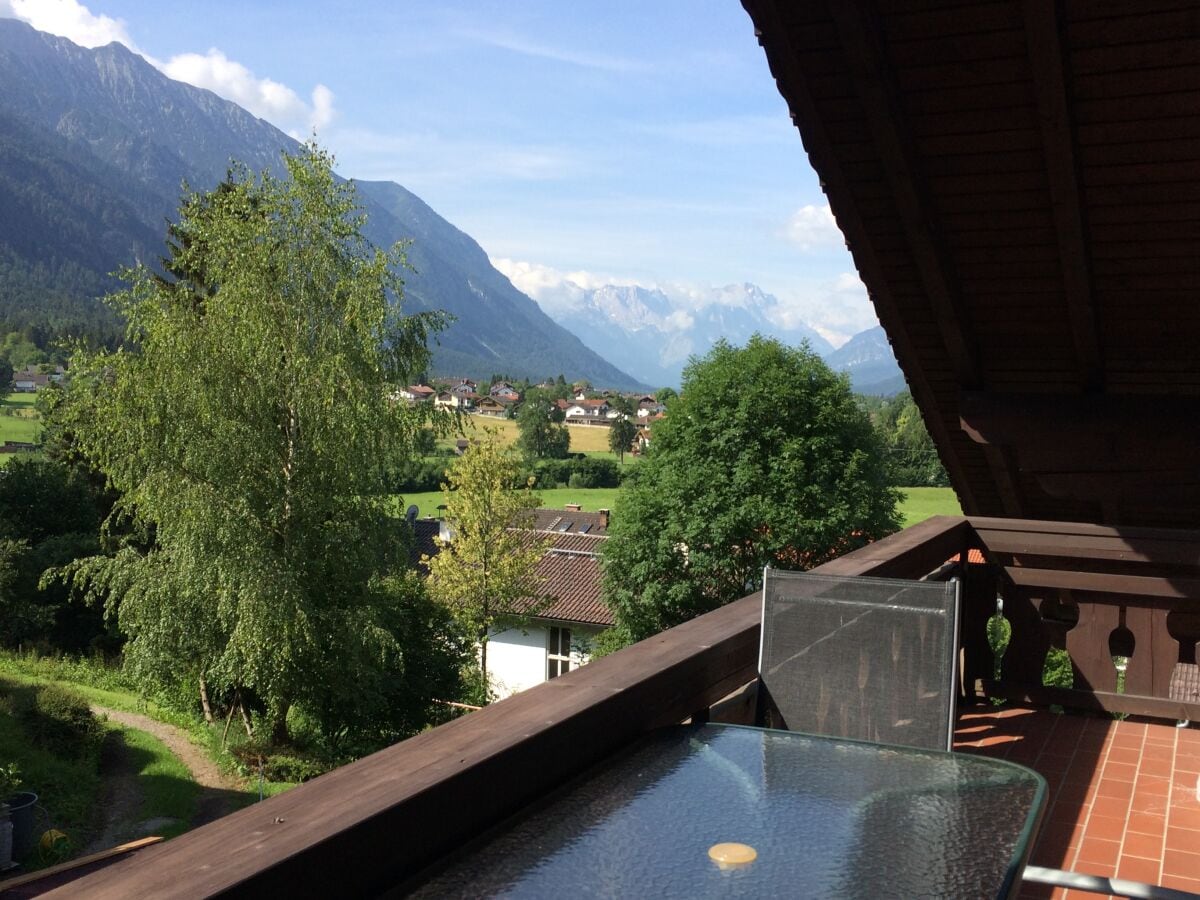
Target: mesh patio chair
(865,658)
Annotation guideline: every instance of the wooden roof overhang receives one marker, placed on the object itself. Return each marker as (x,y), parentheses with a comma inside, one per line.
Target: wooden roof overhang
(1019,184)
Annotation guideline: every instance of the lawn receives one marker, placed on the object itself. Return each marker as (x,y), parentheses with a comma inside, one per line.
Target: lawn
(918,505)
(19,421)
(591,499)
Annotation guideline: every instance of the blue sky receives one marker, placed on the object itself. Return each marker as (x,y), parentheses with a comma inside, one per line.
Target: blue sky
(628,142)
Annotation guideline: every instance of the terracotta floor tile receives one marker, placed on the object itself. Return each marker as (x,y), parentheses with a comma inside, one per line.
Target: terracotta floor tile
(1182,817)
(1111,806)
(1105,828)
(1128,756)
(1120,790)
(1146,846)
(1148,823)
(1180,883)
(1176,862)
(1155,765)
(1120,772)
(1094,853)
(1157,784)
(1184,840)
(1136,869)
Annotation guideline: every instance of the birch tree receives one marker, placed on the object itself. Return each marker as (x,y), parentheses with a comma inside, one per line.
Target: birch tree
(487,573)
(247,422)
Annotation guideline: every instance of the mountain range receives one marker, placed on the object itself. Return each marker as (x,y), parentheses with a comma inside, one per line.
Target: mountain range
(94,147)
(652,333)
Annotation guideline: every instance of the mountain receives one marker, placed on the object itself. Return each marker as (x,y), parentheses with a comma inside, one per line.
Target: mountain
(652,334)
(872,366)
(94,148)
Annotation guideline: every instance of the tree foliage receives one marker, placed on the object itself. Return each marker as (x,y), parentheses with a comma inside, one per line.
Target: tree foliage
(764,458)
(912,456)
(487,573)
(246,423)
(542,434)
(623,430)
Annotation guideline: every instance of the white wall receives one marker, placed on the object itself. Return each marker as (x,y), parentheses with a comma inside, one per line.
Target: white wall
(517,658)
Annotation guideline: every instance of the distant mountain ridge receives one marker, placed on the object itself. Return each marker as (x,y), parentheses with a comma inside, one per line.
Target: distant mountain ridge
(869,360)
(94,147)
(651,335)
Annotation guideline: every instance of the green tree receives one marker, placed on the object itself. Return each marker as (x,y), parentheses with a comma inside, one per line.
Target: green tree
(911,452)
(247,424)
(624,429)
(665,395)
(487,574)
(765,458)
(542,434)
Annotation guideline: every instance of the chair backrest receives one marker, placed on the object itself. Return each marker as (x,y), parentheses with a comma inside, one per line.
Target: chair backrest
(866,658)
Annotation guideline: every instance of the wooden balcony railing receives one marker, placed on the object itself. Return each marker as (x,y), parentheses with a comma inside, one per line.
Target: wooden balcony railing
(1095,592)
(1098,593)
(371,824)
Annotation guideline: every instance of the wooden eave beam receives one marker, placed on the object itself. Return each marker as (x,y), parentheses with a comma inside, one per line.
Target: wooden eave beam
(1044,38)
(1099,582)
(773,35)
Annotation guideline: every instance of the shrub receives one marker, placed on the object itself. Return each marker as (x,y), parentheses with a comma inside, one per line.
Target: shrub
(62,723)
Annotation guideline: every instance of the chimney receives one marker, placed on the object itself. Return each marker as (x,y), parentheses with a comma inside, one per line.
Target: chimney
(573,507)
(604,518)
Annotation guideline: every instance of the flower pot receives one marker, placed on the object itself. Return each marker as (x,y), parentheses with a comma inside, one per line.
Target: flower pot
(20,810)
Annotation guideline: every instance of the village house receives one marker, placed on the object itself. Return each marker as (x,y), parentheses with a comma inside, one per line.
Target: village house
(416,393)
(454,400)
(502,390)
(32,379)
(591,412)
(558,635)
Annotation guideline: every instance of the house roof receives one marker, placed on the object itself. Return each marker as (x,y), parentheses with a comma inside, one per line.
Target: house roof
(572,577)
(570,570)
(566,521)
(1017,183)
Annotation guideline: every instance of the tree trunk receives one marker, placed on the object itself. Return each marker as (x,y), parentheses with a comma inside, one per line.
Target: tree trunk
(483,664)
(245,718)
(279,727)
(208,715)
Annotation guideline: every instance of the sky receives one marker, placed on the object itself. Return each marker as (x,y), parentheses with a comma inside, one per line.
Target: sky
(585,142)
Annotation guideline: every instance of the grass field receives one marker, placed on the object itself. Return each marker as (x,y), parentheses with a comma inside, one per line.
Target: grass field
(19,421)
(584,438)
(918,505)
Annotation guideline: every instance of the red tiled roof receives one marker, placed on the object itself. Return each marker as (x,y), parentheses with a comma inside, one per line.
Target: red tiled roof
(577,521)
(573,580)
(570,572)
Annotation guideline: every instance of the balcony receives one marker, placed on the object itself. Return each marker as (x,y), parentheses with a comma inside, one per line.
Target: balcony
(1123,796)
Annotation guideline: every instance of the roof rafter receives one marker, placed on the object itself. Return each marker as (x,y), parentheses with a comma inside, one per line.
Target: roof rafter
(1043,33)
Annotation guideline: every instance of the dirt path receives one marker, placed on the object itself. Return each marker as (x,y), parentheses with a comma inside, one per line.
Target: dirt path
(123,799)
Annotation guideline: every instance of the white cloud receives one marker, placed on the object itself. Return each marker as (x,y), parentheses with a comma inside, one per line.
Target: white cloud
(69,19)
(420,159)
(836,309)
(555,292)
(266,98)
(813,228)
(585,59)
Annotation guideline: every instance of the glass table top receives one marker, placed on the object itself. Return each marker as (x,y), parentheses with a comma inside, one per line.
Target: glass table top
(824,818)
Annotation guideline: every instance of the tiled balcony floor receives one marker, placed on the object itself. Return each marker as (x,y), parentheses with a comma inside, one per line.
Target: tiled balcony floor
(1124,796)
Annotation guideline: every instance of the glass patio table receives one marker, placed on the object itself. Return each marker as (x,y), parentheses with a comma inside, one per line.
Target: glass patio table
(823,817)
